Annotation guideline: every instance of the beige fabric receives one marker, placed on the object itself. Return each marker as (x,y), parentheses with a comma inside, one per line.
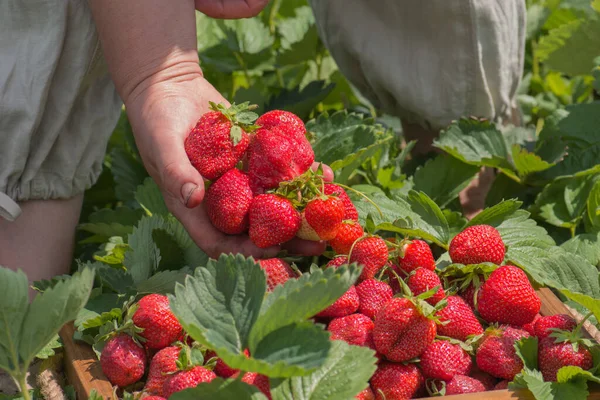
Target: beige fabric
(58,105)
(430,61)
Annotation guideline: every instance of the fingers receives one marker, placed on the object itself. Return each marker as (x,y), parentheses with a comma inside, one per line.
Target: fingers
(298,246)
(327,171)
(230,9)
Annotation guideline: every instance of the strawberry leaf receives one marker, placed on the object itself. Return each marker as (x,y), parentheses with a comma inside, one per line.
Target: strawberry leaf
(49,349)
(586,245)
(220,389)
(590,303)
(300,101)
(150,198)
(344,374)
(128,173)
(527,350)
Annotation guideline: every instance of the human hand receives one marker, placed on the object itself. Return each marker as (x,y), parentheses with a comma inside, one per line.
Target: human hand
(161,117)
(230,9)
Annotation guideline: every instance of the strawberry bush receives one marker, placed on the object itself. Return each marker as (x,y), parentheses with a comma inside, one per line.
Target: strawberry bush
(410,298)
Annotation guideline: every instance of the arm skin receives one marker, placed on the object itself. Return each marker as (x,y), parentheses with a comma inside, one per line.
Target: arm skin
(150,49)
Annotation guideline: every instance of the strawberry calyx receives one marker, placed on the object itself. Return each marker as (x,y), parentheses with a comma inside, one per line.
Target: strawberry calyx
(426,309)
(466,346)
(575,337)
(435,387)
(241,116)
(123,325)
(189,357)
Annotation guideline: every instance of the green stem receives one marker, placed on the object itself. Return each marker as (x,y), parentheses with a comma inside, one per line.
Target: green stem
(242,63)
(362,195)
(580,325)
(22,380)
(273,14)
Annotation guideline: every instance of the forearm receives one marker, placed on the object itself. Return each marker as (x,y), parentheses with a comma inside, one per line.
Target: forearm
(146,42)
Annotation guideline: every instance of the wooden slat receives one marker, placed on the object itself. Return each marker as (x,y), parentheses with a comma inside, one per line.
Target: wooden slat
(511,395)
(83,368)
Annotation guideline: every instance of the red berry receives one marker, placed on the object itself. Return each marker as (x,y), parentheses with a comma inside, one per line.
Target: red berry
(530,327)
(337,262)
(356,329)
(350,212)
(258,380)
(394,381)
(221,369)
(228,202)
(345,305)
(278,272)
(373,294)
(502,385)
(553,356)
(366,394)
(123,361)
(187,379)
(273,220)
(161,327)
(325,216)
(477,244)
(417,254)
(443,360)
(457,320)
(423,280)
(496,354)
(486,379)
(372,254)
(163,363)
(274,118)
(544,325)
(461,384)
(507,297)
(349,232)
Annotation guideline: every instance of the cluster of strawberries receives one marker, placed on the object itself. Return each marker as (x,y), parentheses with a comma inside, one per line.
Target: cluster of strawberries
(274,195)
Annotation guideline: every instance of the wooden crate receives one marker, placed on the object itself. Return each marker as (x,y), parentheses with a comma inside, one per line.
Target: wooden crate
(84,372)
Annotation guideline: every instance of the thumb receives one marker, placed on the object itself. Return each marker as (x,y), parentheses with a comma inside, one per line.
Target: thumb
(181,181)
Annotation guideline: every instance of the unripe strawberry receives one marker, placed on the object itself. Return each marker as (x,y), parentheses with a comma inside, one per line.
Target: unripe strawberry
(187,379)
(278,272)
(507,297)
(372,254)
(423,280)
(457,320)
(477,244)
(228,202)
(273,220)
(355,329)
(123,361)
(373,294)
(325,216)
(443,360)
(347,304)
(545,325)
(496,354)
(349,232)
(162,364)
(161,327)
(393,381)
(416,254)
(350,212)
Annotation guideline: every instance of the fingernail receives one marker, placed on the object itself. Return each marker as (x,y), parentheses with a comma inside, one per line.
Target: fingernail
(186,192)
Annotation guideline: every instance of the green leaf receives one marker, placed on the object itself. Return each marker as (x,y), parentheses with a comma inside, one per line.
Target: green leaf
(593,209)
(495,215)
(48,350)
(171,255)
(300,299)
(527,163)
(592,304)
(143,257)
(128,172)
(570,373)
(108,222)
(577,161)
(344,374)
(26,328)
(586,245)
(527,350)
(443,178)
(117,280)
(300,101)
(162,282)
(148,195)
(247,35)
(220,389)
(99,310)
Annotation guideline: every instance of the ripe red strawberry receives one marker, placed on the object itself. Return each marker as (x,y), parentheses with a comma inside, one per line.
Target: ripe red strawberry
(422,280)
(507,297)
(417,254)
(221,369)
(502,385)
(356,329)
(496,354)
(347,304)
(544,325)
(350,212)
(228,202)
(486,379)
(274,118)
(461,384)
(122,360)
(217,142)
(278,272)
(401,331)
(187,379)
(273,220)
(443,360)
(349,232)
(325,215)
(372,254)
(394,381)
(277,154)
(477,244)
(154,398)
(162,364)
(373,294)
(462,321)
(553,356)
(338,261)
(258,380)
(530,327)
(160,325)
(366,394)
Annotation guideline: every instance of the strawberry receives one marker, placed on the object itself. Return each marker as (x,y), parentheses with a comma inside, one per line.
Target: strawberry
(277,154)
(278,272)
(562,349)
(123,361)
(154,398)
(530,327)
(219,140)
(461,384)
(477,244)
(372,253)
(502,385)
(274,118)
(462,322)
(422,280)
(258,380)
(401,331)
(443,360)
(373,294)
(187,379)
(338,261)
(347,304)
(228,202)
(394,381)
(416,254)
(350,212)
(507,297)
(356,329)
(545,325)
(162,364)
(273,220)
(349,232)
(306,232)
(496,354)
(325,215)
(486,379)
(221,369)
(160,325)
(366,394)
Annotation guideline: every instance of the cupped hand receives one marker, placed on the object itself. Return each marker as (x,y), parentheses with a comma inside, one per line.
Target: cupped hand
(161,116)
